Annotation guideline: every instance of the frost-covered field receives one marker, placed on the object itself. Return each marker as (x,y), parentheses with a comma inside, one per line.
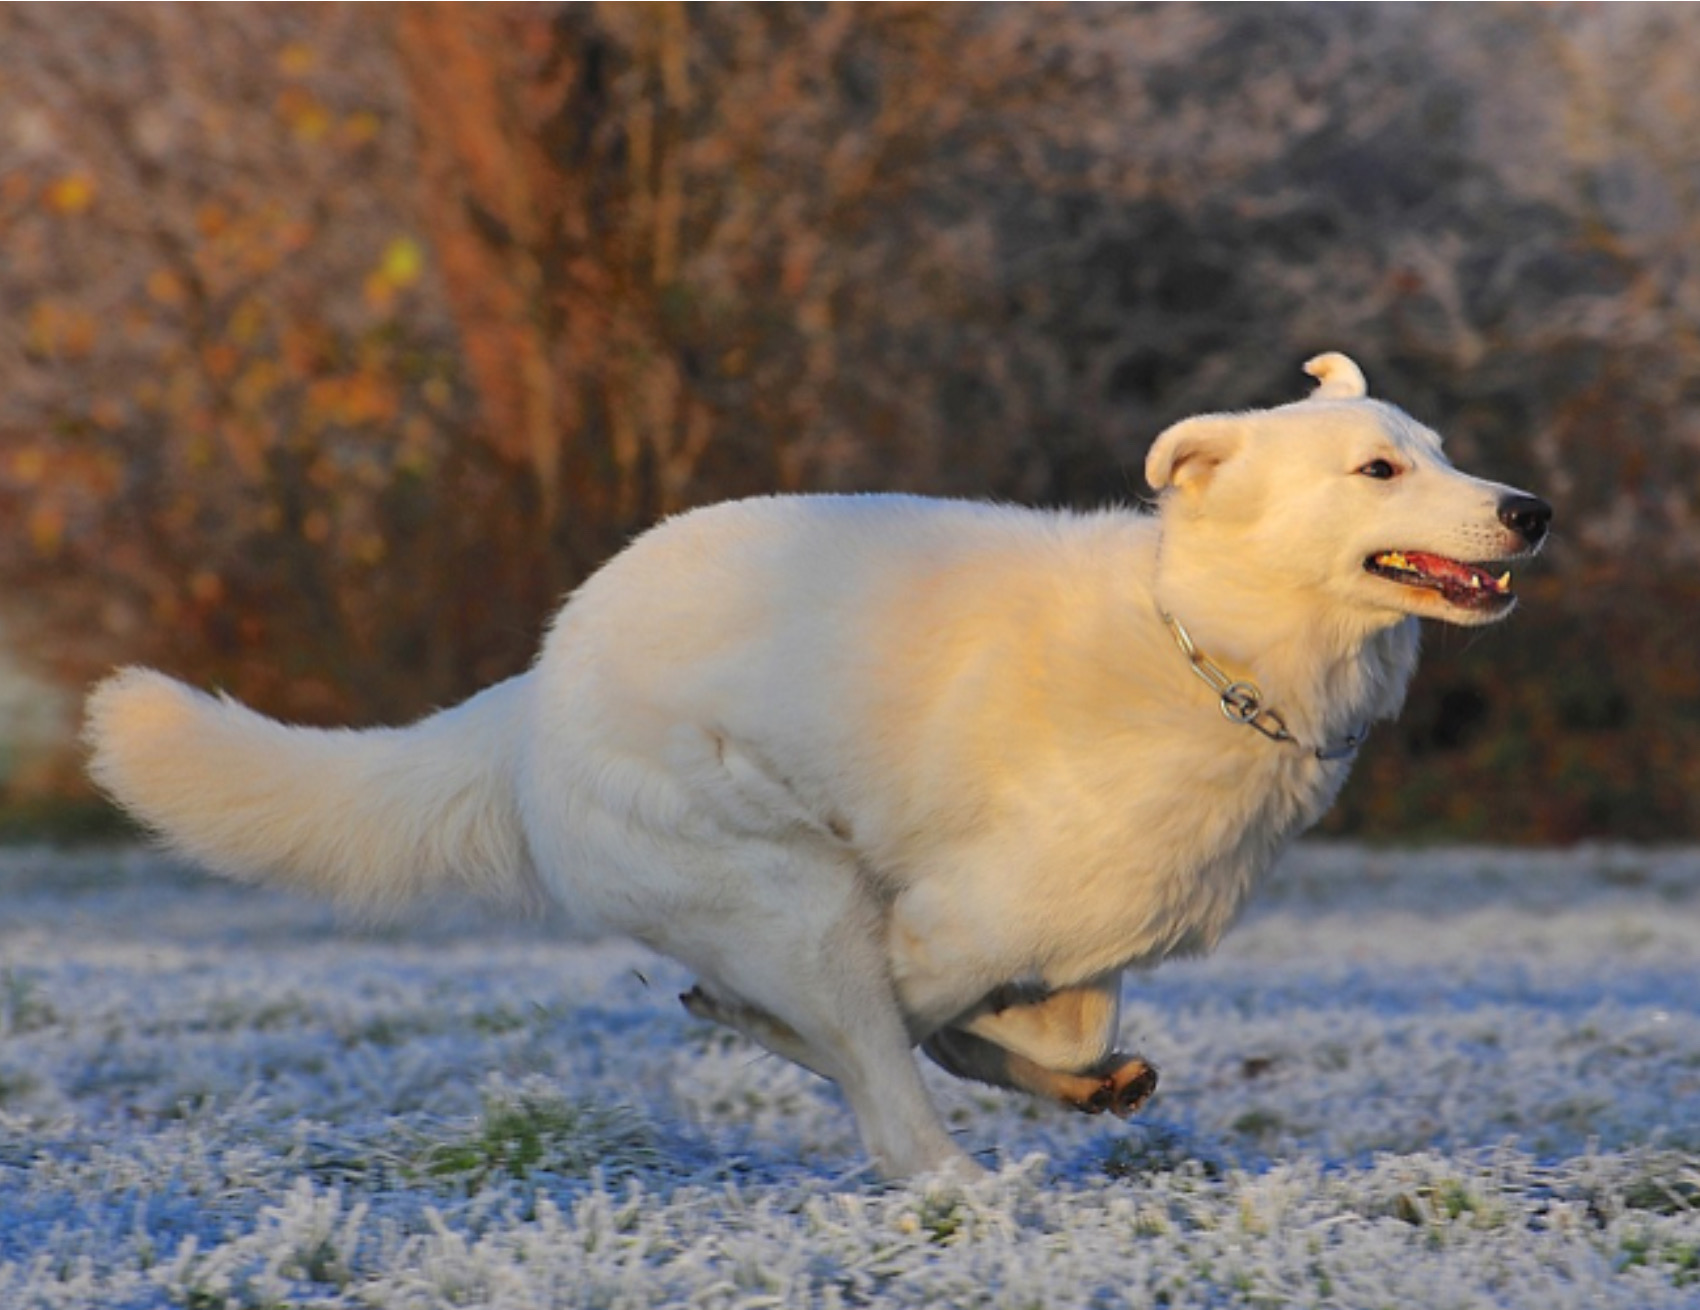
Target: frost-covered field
(1407,1080)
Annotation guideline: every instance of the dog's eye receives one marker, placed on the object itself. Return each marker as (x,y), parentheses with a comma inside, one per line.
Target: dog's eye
(1380,469)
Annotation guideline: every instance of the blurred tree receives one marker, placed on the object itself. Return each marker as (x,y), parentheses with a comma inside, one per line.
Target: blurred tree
(703,251)
(230,388)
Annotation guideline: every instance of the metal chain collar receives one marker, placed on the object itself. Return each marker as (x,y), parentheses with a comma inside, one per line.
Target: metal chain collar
(1242,702)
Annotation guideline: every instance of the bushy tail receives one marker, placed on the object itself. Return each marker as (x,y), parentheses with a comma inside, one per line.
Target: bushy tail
(372,818)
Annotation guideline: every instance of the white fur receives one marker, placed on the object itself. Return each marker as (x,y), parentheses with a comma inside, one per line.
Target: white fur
(862,762)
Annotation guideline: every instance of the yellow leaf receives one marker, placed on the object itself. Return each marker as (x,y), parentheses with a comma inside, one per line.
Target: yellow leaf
(166,287)
(404,260)
(260,379)
(248,322)
(221,359)
(360,127)
(206,587)
(211,219)
(296,59)
(47,528)
(311,123)
(369,398)
(28,466)
(71,194)
(307,118)
(61,330)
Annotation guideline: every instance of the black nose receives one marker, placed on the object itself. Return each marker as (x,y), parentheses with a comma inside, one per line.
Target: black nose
(1526,515)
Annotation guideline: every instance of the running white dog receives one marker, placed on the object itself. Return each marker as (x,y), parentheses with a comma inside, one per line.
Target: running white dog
(884,770)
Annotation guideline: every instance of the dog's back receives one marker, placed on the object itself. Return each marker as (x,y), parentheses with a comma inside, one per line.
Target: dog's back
(880,653)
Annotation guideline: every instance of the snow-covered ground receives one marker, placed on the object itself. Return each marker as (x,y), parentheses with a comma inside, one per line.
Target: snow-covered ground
(1449,1079)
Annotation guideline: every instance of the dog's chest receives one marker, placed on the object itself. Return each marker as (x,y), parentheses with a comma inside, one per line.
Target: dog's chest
(1171,871)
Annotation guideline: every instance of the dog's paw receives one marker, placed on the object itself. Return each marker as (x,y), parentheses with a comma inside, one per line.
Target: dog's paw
(1122,1090)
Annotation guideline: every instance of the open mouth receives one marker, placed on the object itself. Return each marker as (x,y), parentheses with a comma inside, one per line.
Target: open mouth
(1468,586)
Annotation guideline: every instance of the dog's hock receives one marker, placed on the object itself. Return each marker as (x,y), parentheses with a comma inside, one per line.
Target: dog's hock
(1337,376)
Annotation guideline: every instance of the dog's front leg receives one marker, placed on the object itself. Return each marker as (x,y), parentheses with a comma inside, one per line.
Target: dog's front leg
(1060,1046)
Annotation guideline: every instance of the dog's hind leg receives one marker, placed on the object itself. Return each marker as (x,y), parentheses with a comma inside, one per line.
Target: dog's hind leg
(1059,1046)
(805,975)
(759,1026)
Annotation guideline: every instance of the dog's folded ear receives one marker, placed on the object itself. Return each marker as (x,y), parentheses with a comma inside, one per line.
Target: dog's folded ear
(1187,454)
(1337,376)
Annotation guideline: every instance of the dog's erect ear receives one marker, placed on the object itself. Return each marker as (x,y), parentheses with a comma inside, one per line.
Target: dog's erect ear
(1187,454)
(1339,377)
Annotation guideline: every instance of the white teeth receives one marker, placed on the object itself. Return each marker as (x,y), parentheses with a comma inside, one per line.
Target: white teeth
(1502,583)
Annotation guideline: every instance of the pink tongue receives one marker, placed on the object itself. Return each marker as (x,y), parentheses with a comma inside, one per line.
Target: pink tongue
(1438,566)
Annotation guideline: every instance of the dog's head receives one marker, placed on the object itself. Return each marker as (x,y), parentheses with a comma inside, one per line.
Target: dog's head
(1343,495)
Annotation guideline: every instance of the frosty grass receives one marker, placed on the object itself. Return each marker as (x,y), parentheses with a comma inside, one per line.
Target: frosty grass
(1444,1079)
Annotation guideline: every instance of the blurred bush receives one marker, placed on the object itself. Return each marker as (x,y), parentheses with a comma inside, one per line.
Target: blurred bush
(338,342)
